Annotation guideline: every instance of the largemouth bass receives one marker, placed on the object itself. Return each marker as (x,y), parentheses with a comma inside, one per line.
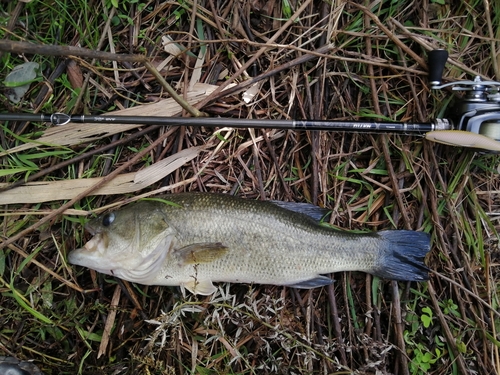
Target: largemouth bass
(202,238)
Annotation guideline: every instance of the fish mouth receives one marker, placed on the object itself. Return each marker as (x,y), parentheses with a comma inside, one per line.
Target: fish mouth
(98,243)
(92,254)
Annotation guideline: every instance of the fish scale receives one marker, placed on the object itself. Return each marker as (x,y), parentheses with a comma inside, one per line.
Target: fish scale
(201,238)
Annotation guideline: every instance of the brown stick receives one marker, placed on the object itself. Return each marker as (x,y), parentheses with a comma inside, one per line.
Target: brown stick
(394,183)
(51,50)
(450,338)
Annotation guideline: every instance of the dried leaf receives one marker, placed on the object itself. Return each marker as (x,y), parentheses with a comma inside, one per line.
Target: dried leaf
(160,169)
(75,74)
(250,94)
(110,322)
(170,46)
(195,77)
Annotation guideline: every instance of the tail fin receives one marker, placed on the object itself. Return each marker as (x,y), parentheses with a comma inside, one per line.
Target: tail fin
(404,256)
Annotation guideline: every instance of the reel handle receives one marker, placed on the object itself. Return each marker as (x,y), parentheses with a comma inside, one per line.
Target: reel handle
(437,59)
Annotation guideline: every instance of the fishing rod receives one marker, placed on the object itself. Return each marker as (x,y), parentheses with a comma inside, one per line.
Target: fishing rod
(212,122)
(473,122)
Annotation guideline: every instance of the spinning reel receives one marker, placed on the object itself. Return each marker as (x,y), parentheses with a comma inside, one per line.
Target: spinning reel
(477,112)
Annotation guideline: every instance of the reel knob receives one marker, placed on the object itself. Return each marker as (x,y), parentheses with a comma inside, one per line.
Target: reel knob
(437,59)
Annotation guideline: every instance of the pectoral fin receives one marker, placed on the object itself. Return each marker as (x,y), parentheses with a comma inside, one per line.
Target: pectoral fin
(201,253)
(203,287)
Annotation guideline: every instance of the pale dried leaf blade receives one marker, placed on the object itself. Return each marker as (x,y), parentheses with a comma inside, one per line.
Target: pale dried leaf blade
(195,77)
(249,95)
(170,46)
(46,191)
(164,167)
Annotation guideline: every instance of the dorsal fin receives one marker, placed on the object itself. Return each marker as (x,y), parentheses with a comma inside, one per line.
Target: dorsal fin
(308,209)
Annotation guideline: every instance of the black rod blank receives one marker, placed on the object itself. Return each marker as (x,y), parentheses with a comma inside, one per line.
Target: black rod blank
(212,122)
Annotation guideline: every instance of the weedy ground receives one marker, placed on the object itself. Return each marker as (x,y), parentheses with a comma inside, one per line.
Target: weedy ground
(71,320)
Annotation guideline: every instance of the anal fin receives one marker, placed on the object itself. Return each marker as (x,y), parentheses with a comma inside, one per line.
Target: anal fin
(312,283)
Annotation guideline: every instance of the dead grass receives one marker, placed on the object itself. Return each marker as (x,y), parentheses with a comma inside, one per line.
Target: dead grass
(71,320)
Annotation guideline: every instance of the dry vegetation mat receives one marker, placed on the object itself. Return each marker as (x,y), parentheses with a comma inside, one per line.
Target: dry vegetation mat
(344,60)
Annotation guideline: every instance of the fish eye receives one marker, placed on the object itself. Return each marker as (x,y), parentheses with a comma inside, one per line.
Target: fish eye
(108,219)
